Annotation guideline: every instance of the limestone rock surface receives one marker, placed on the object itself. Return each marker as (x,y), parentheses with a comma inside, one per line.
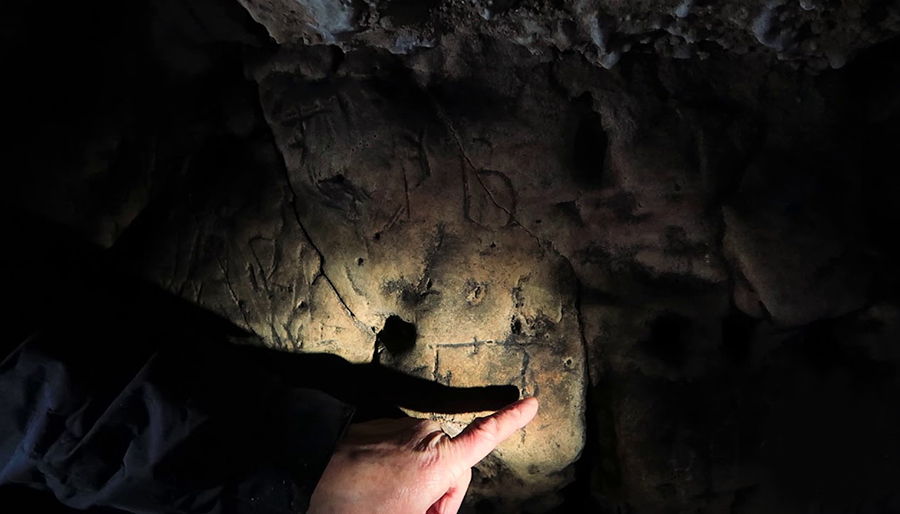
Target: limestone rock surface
(412,226)
(673,222)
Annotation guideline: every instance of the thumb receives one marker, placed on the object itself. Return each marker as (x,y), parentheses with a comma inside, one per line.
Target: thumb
(484,434)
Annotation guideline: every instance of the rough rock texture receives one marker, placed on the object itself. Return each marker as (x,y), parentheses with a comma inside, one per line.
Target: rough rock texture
(670,221)
(416,225)
(246,257)
(805,31)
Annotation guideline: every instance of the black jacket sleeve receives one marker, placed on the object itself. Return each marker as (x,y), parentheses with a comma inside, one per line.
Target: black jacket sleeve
(124,406)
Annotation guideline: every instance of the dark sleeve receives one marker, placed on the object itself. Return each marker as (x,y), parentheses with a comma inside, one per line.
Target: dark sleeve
(126,408)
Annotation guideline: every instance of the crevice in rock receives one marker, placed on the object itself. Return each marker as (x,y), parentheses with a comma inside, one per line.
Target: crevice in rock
(234,297)
(293,202)
(406,194)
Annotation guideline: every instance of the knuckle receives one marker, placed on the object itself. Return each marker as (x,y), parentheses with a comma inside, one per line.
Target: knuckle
(487,427)
(428,425)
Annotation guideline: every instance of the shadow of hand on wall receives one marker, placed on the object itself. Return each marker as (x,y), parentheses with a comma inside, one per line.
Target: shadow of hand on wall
(52,262)
(374,389)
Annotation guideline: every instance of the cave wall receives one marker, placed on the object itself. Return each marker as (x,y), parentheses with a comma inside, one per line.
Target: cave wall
(669,221)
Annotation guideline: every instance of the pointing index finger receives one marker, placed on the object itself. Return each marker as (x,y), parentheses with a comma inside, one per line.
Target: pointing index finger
(484,434)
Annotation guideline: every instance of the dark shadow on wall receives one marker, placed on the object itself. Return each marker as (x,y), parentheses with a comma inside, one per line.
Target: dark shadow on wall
(52,259)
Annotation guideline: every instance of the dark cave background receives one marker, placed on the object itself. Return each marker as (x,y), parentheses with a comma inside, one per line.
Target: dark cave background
(117,112)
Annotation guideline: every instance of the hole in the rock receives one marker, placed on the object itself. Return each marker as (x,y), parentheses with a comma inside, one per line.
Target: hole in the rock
(397,336)
(337,56)
(360,261)
(410,296)
(516,326)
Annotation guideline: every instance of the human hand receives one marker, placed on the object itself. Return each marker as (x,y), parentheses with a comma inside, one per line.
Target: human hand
(410,466)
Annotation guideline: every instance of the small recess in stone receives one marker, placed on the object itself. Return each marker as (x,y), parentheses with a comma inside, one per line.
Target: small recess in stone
(397,336)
